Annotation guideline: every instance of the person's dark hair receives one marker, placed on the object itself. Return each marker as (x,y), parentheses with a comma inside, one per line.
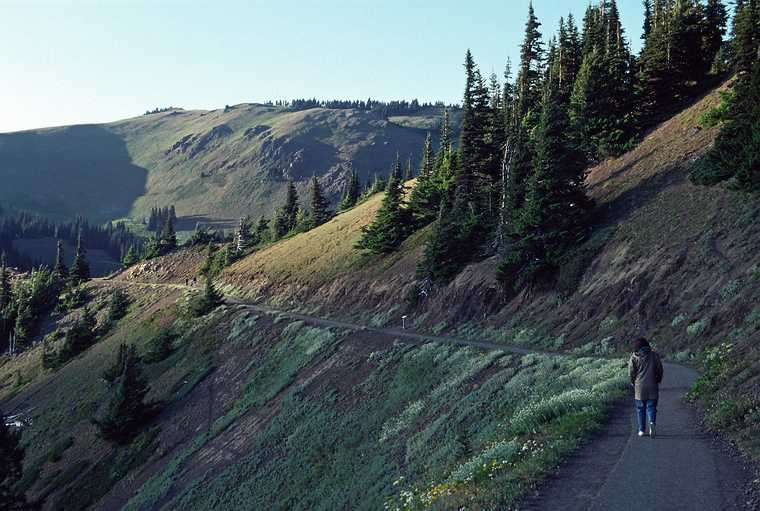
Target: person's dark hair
(640,343)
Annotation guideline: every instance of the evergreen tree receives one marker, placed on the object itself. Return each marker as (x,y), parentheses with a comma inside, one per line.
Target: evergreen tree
(80,268)
(408,172)
(168,236)
(160,346)
(507,97)
(601,102)
(290,209)
(130,257)
(350,193)
(647,27)
(112,372)
(209,301)
(262,230)
(319,211)
(11,468)
(117,306)
(425,197)
(60,268)
(6,296)
(392,224)
(79,337)
(127,410)
(528,84)
(716,18)
(555,213)
(747,36)
(445,147)
(736,152)
(286,217)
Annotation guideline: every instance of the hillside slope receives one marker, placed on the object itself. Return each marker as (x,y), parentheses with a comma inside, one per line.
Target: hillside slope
(665,258)
(211,165)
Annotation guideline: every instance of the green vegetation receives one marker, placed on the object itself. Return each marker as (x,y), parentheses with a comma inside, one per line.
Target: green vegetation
(12,456)
(208,301)
(127,411)
(393,423)
(729,371)
(736,152)
(391,225)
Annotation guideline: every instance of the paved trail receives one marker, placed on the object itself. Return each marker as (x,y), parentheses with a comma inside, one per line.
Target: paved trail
(681,469)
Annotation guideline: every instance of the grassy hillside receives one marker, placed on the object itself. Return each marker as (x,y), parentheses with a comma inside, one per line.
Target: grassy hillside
(666,259)
(267,412)
(213,165)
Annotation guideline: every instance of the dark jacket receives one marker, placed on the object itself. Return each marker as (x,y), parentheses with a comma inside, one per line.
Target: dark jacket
(645,373)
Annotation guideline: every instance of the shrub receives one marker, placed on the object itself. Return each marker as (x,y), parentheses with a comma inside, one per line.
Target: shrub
(697,328)
(117,306)
(160,346)
(730,289)
(678,320)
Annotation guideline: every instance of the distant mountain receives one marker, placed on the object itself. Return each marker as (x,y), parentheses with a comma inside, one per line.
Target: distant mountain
(212,165)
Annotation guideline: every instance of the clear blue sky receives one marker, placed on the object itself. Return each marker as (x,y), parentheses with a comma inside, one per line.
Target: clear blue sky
(66,62)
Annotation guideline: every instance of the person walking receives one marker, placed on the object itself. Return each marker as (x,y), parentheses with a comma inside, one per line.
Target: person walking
(645,373)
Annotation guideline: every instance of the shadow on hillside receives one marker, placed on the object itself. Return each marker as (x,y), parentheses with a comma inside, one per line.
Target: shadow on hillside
(189,222)
(75,170)
(620,209)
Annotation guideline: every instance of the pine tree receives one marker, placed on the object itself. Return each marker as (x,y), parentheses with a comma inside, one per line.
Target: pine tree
(262,230)
(736,152)
(6,296)
(601,101)
(319,211)
(130,257)
(747,37)
(79,337)
(507,97)
(716,18)
(127,410)
(528,84)
(11,468)
(60,268)
(471,132)
(647,27)
(168,236)
(290,209)
(425,197)
(210,299)
(392,223)
(408,172)
(445,147)
(80,268)
(350,193)
(555,212)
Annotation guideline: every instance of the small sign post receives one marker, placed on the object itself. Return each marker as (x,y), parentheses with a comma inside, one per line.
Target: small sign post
(403,322)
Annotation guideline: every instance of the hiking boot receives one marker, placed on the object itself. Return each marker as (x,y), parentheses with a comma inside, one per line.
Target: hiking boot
(651,430)
(641,433)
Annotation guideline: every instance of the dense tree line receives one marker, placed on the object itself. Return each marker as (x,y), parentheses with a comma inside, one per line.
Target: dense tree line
(115,239)
(161,110)
(159,217)
(383,108)
(514,185)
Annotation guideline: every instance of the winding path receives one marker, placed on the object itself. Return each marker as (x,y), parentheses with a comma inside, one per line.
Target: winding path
(683,468)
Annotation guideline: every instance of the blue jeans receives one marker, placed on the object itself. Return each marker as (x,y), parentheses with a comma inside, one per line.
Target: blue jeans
(645,409)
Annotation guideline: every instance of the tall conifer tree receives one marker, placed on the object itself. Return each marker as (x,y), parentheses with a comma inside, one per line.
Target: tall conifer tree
(80,268)
(319,206)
